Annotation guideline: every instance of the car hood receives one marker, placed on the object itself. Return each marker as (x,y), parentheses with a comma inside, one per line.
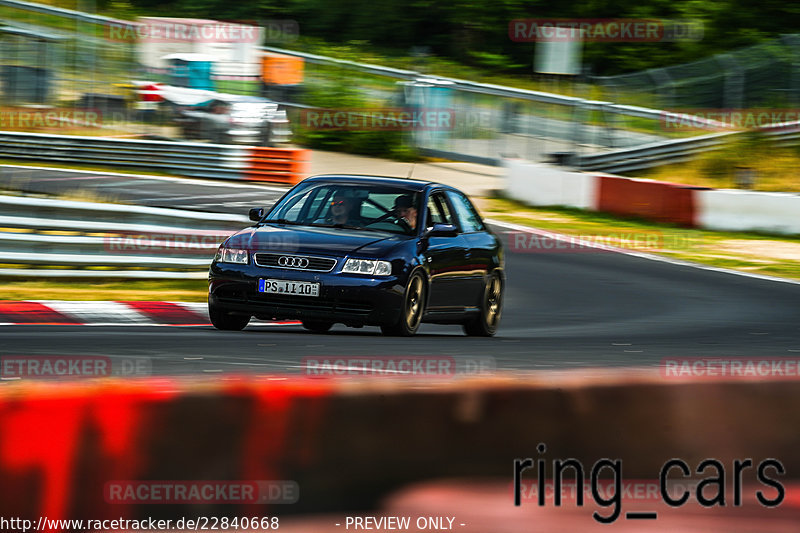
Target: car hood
(308,240)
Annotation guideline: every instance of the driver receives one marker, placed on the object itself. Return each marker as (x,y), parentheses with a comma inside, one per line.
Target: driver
(405,210)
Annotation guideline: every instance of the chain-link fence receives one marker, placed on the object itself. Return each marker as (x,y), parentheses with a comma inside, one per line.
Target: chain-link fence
(52,58)
(72,61)
(489,121)
(71,66)
(764,75)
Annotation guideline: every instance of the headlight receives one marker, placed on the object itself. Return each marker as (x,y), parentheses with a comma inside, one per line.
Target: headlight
(367,266)
(231,255)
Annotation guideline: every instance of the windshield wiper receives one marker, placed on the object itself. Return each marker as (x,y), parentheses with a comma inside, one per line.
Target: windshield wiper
(339,226)
(283,222)
(347,226)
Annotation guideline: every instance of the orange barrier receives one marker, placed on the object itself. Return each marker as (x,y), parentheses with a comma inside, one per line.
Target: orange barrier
(280,69)
(349,444)
(280,165)
(652,200)
(61,444)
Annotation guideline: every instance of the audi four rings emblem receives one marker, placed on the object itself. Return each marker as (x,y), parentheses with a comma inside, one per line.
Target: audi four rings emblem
(292,262)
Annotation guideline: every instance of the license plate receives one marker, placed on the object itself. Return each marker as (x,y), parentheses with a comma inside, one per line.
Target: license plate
(282,286)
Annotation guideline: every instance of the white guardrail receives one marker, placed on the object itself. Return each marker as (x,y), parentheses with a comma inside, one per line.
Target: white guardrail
(45,237)
(191,159)
(680,150)
(180,158)
(652,155)
(492,89)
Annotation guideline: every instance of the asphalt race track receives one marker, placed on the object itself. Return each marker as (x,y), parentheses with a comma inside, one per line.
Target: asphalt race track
(562,310)
(153,191)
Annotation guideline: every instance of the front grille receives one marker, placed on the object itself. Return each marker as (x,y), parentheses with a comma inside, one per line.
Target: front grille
(295,262)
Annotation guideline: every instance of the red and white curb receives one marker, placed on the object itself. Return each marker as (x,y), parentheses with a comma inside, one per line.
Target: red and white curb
(108,313)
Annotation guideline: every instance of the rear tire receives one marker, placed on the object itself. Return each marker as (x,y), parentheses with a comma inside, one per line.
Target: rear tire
(485,324)
(317,326)
(221,319)
(413,308)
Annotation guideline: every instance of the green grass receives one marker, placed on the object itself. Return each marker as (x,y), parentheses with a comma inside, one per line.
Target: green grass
(247,87)
(12,14)
(169,290)
(775,168)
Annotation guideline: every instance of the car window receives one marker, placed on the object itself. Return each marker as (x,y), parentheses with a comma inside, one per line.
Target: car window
(291,210)
(468,218)
(438,210)
(318,203)
(378,205)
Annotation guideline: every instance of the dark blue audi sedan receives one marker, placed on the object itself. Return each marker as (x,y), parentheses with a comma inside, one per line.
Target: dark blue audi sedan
(362,251)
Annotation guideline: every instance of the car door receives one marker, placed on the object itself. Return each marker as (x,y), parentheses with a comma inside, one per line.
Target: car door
(445,257)
(479,248)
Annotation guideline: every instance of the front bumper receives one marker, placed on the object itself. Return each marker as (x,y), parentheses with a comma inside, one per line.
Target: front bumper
(346,298)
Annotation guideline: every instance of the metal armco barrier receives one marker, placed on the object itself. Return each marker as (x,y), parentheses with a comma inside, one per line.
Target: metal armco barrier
(57,238)
(200,160)
(681,150)
(653,155)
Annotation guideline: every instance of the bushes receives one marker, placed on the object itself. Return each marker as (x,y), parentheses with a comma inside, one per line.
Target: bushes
(774,168)
(341,96)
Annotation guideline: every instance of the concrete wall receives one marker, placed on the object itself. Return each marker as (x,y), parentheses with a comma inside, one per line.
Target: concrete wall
(540,184)
(735,210)
(729,210)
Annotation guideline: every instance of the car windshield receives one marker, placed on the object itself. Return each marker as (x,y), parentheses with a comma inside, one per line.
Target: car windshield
(348,206)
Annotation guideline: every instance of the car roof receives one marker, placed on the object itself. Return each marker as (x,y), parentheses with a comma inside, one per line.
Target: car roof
(366,179)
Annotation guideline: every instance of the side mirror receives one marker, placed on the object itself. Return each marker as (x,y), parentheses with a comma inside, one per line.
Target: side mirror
(256,214)
(442,230)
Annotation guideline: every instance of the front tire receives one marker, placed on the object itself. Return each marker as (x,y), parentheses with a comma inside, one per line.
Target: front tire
(413,308)
(485,324)
(221,319)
